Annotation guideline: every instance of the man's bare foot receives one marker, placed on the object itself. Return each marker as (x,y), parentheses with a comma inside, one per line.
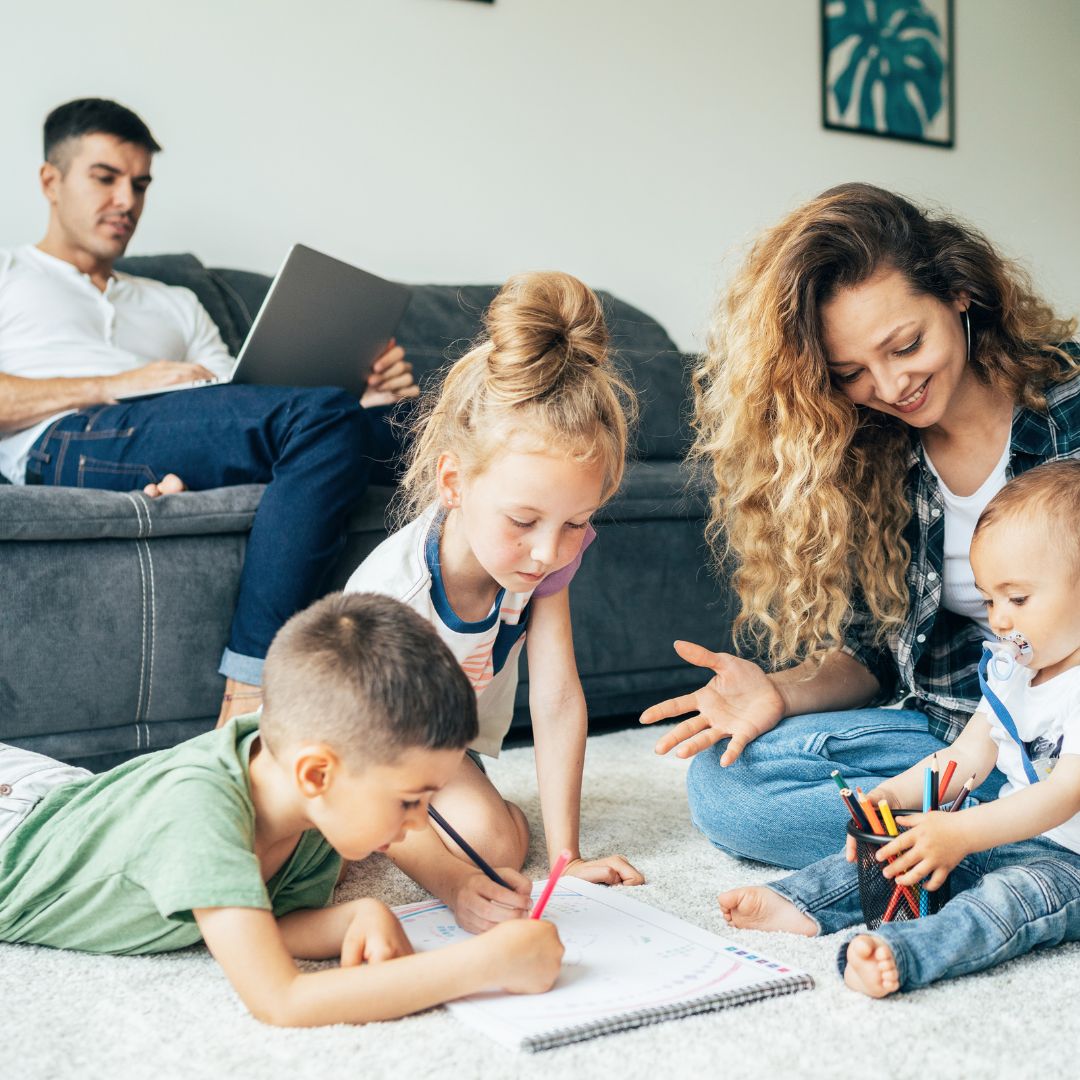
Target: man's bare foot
(871,967)
(759,908)
(169,484)
(240,698)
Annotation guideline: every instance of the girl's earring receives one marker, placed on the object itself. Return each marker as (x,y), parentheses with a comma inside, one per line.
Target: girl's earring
(967,330)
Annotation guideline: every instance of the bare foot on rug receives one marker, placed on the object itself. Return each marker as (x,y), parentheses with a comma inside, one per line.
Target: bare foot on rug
(169,484)
(871,968)
(759,908)
(239,699)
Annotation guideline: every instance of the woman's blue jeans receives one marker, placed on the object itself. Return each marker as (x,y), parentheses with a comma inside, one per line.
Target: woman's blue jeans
(778,803)
(316,450)
(1005,902)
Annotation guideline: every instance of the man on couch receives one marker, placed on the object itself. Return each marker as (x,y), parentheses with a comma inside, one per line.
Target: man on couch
(75,336)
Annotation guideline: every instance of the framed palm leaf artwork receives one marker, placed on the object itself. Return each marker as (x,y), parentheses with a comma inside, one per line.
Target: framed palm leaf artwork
(887,68)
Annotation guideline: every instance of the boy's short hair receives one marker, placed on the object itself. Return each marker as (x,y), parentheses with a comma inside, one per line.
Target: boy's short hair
(93,116)
(1051,490)
(369,677)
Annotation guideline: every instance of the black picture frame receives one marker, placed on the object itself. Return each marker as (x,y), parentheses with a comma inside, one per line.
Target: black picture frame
(863,45)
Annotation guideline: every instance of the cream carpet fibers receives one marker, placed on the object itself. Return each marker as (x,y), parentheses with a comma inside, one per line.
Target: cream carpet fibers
(69,1015)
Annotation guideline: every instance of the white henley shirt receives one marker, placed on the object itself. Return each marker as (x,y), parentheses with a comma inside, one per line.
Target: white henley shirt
(56,323)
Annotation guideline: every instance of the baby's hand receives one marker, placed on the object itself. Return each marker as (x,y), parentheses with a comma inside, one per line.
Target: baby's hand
(612,870)
(480,903)
(525,955)
(373,935)
(930,846)
(879,793)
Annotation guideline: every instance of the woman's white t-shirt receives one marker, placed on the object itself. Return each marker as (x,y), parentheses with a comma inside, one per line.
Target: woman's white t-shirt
(958,592)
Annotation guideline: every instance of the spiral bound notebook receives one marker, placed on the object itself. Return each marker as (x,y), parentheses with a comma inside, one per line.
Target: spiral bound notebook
(626,965)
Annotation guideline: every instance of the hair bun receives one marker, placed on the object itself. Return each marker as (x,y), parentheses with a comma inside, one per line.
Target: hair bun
(541,327)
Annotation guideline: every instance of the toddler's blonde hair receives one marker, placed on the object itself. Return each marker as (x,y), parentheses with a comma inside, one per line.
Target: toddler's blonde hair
(1049,494)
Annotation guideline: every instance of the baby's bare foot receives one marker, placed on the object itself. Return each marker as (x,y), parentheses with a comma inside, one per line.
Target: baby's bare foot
(871,968)
(759,908)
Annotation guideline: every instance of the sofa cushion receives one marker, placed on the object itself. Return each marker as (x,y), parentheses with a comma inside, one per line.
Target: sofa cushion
(440,323)
(222,299)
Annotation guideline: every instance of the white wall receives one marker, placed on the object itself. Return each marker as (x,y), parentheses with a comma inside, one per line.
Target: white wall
(632,142)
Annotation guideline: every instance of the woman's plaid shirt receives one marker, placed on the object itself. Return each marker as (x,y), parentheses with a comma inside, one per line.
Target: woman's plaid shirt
(934,657)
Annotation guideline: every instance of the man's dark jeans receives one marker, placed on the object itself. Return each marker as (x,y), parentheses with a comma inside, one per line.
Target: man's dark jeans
(317,450)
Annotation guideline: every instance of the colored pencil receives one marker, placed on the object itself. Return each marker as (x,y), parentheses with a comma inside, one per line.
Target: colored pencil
(855,810)
(965,791)
(556,870)
(928,797)
(868,810)
(946,779)
(934,789)
(890,826)
(841,783)
(464,845)
(851,809)
(886,816)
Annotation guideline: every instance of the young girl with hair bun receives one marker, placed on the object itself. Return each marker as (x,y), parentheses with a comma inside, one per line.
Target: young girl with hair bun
(526,441)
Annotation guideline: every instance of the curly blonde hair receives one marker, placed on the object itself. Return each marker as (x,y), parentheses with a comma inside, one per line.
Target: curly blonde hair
(540,370)
(808,497)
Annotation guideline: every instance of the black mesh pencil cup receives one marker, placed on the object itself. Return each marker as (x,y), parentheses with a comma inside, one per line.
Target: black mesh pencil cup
(883,900)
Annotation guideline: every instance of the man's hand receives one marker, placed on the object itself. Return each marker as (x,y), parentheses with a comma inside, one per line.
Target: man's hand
(740,701)
(153,376)
(524,956)
(929,847)
(481,904)
(391,378)
(373,935)
(611,870)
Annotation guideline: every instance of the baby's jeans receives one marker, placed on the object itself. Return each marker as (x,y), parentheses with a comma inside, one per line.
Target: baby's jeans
(25,779)
(1005,902)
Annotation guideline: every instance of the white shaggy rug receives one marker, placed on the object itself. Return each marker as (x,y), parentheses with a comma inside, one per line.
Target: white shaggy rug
(70,1015)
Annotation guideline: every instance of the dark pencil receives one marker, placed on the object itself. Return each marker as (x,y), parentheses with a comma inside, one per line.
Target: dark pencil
(855,810)
(935,793)
(965,791)
(464,845)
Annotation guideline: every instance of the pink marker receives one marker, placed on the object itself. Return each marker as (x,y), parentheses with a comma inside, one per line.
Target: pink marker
(549,888)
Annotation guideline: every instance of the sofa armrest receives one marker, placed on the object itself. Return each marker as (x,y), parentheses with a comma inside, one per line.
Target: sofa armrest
(48,513)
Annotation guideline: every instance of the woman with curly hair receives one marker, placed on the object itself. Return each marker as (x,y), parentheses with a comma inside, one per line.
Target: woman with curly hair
(875,375)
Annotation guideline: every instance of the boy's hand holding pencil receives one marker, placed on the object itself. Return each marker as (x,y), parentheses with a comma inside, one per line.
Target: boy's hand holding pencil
(523,957)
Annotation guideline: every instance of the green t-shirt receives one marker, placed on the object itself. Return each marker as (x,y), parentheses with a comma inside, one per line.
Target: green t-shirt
(116,863)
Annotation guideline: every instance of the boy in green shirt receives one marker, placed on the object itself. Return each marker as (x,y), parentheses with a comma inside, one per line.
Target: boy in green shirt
(237,837)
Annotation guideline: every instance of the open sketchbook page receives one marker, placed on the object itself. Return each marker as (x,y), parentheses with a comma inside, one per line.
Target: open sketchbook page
(622,957)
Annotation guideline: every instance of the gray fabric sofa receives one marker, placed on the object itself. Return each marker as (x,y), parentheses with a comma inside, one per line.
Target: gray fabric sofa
(114,608)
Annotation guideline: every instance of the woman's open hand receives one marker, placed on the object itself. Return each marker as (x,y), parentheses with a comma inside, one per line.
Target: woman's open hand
(739,702)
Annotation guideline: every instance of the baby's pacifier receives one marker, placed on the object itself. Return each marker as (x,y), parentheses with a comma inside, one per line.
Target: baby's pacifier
(1011,650)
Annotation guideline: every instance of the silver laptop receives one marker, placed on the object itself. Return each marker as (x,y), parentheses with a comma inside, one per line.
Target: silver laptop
(323,323)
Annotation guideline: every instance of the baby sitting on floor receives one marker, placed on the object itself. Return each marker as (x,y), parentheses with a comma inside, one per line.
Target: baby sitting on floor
(1014,862)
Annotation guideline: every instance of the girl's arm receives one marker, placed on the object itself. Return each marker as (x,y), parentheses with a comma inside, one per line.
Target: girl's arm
(560,726)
